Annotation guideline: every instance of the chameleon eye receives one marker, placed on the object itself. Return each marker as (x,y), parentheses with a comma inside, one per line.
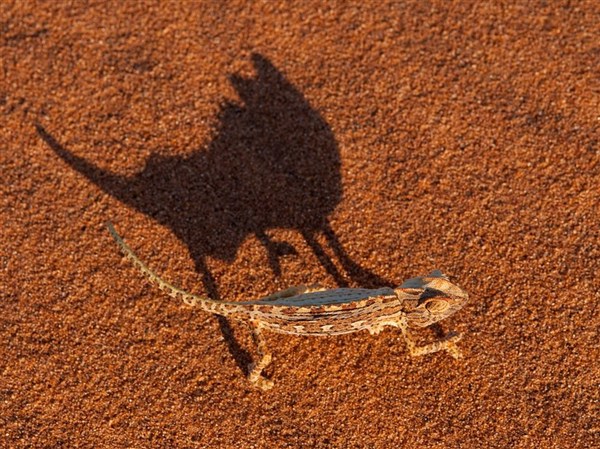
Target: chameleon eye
(436,305)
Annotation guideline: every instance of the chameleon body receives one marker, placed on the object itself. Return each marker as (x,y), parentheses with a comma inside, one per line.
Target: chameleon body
(314,310)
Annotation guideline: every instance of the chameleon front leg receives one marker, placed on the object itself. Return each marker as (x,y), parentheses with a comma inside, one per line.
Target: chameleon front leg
(264,358)
(447,343)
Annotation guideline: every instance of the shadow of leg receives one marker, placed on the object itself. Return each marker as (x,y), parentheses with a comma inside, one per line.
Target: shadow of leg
(275,251)
(324,259)
(240,355)
(365,278)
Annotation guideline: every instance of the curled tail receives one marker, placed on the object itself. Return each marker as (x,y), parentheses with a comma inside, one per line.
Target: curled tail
(190,299)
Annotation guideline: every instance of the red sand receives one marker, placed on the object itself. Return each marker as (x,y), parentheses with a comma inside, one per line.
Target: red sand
(465,139)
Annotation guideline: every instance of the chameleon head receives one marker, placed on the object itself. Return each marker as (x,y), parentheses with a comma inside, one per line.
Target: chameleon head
(433,298)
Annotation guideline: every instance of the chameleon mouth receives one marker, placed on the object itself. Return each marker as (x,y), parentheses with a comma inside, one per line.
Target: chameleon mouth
(420,318)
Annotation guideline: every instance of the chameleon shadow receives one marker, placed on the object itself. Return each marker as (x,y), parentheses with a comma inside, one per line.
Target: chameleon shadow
(273,163)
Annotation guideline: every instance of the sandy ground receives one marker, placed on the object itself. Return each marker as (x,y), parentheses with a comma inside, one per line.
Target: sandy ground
(243,147)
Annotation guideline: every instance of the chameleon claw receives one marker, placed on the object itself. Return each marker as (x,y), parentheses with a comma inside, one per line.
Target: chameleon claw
(255,374)
(264,384)
(450,345)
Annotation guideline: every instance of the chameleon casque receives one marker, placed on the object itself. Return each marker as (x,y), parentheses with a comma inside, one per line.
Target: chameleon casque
(314,310)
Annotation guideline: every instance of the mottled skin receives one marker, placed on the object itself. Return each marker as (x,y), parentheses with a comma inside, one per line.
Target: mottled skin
(313,310)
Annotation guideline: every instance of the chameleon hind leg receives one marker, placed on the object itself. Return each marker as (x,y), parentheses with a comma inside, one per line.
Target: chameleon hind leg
(447,343)
(264,358)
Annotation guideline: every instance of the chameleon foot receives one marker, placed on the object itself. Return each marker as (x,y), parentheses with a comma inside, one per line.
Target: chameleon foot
(255,373)
(259,380)
(264,384)
(447,343)
(450,345)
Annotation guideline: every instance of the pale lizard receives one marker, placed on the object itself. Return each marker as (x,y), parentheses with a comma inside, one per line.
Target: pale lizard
(314,310)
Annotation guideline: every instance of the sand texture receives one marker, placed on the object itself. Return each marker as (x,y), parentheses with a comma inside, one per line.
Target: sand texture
(244,147)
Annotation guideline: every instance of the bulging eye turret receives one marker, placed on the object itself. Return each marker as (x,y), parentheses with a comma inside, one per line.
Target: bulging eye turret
(436,306)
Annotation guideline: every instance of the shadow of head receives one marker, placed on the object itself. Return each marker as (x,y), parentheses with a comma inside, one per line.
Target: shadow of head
(273,163)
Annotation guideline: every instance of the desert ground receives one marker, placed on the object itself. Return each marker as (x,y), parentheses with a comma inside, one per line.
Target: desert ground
(244,147)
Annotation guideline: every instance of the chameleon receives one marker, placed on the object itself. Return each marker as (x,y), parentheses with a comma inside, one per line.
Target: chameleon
(316,311)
